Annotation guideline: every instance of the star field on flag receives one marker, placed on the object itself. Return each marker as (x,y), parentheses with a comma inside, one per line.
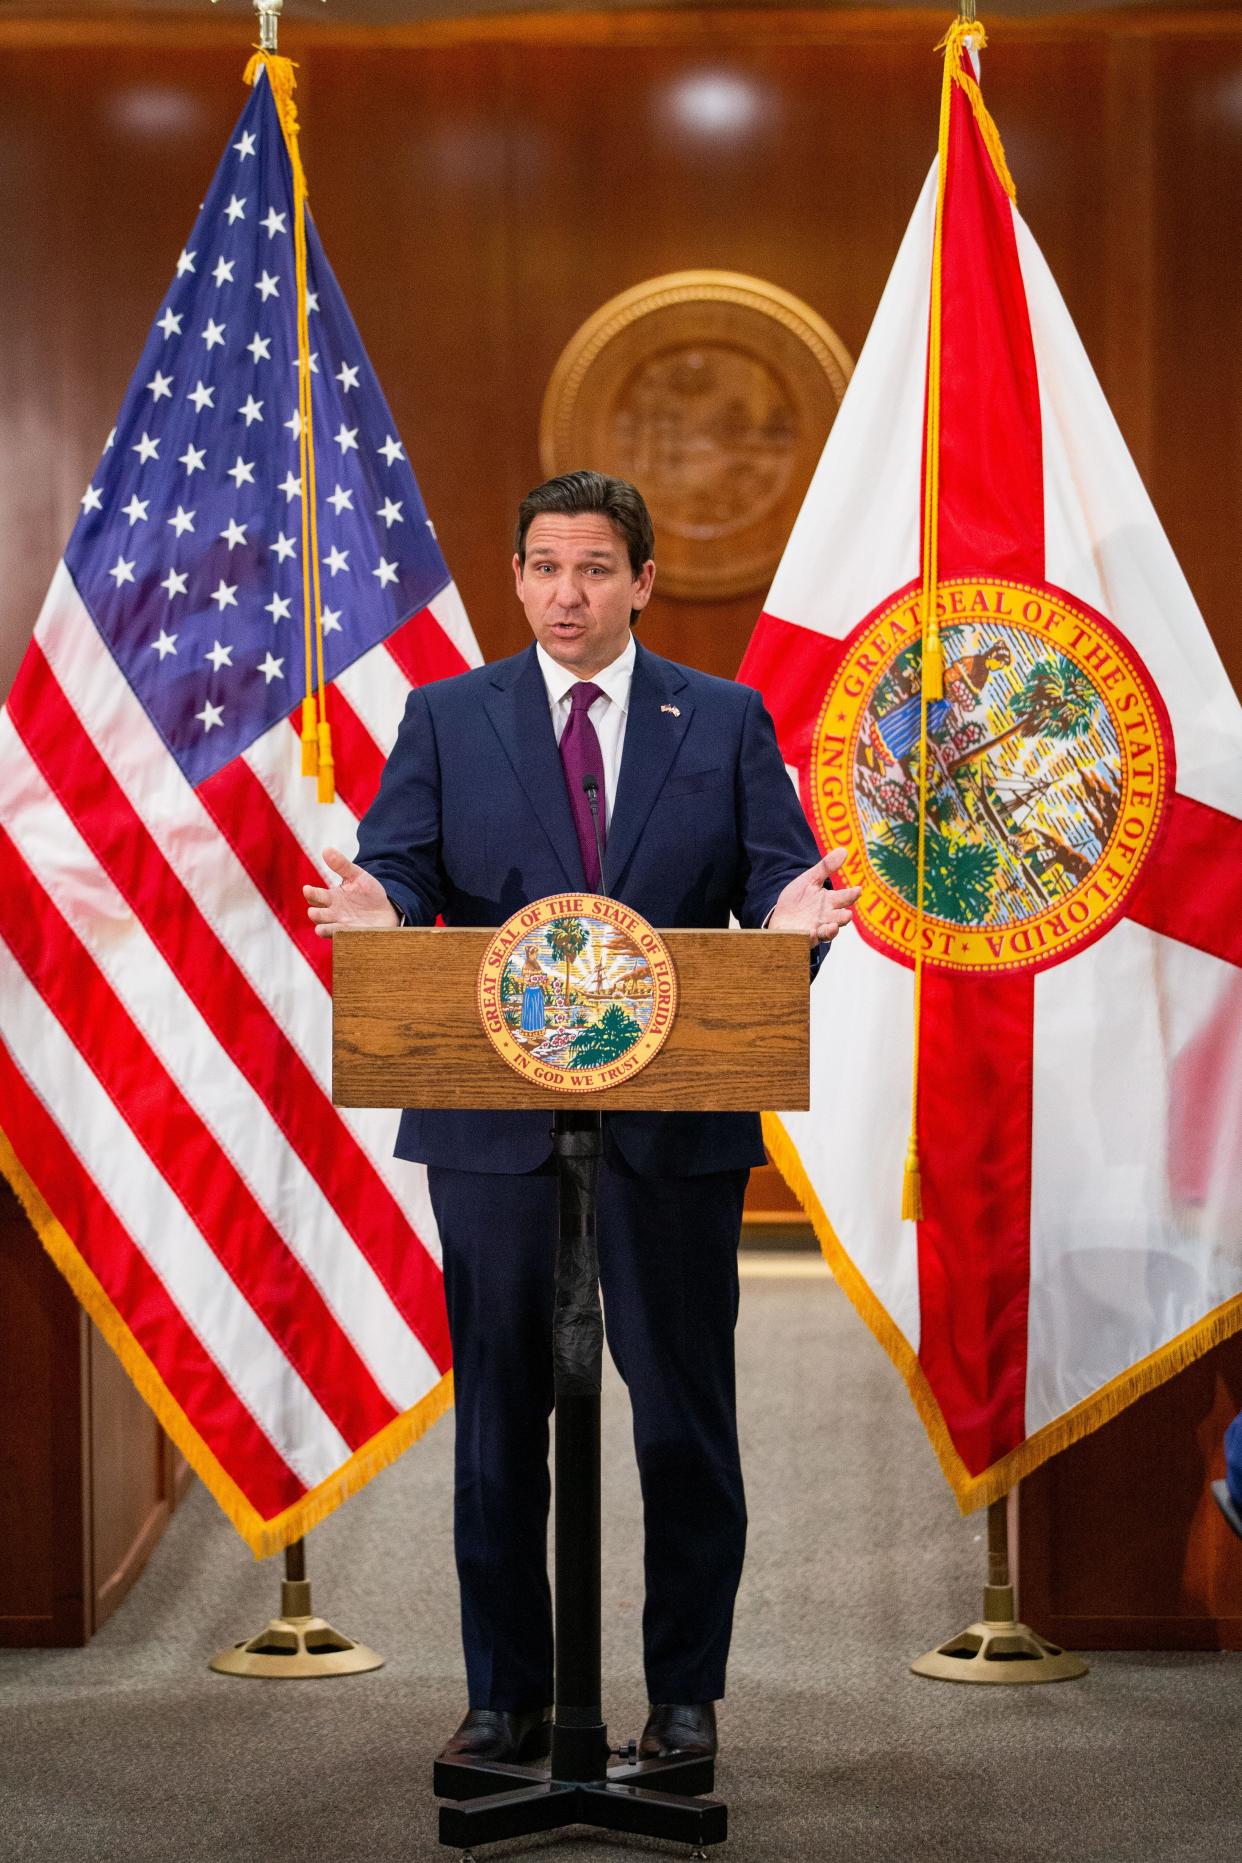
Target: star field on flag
(189,541)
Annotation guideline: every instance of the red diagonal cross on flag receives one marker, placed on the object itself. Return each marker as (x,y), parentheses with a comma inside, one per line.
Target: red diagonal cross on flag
(1074,793)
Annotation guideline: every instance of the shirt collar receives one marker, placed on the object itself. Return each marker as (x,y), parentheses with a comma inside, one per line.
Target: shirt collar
(613,681)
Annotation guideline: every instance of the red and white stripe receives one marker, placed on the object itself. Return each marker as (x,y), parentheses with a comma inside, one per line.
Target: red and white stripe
(165,1060)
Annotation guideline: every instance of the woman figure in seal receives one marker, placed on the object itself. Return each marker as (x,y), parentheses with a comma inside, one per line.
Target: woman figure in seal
(532,994)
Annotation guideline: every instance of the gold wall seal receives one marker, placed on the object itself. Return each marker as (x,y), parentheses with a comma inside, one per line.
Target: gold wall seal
(714,393)
(577,992)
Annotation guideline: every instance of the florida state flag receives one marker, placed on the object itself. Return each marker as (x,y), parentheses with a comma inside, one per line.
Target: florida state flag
(995,689)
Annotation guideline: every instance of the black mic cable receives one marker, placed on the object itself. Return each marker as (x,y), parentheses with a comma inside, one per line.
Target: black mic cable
(591,787)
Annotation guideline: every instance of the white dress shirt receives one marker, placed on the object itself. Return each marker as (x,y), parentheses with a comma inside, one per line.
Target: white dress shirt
(608,714)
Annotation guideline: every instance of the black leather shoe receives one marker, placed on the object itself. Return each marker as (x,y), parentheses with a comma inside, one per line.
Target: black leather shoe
(684,1729)
(495,1734)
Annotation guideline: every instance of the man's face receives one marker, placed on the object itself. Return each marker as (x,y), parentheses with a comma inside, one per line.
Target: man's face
(577,588)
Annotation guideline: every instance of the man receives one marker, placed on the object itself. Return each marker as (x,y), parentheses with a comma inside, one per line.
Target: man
(481,810)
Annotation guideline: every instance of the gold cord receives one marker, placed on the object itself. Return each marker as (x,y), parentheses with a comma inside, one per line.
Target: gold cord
(316,732)
(931,681)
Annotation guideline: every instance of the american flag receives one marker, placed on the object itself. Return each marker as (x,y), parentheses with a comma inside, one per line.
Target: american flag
(268,1273)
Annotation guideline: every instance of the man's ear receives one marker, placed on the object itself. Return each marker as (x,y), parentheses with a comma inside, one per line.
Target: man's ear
(517,574)
(642,585)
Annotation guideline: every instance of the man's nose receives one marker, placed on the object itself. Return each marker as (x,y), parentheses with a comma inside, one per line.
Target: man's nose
(568,592)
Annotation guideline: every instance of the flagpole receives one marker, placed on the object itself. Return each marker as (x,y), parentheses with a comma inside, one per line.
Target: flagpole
(997,1648)
(296,1644)
(269,12)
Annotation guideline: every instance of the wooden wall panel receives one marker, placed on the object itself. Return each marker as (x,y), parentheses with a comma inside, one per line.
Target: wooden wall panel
(132,1481)
(1122,1547)
(416,221)
(1196,378)
(45,1573)
(87,1478)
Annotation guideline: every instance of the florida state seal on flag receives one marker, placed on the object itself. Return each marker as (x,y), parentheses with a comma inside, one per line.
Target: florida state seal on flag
(992,682)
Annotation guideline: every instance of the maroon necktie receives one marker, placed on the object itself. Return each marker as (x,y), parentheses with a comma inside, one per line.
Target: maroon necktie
(581,756)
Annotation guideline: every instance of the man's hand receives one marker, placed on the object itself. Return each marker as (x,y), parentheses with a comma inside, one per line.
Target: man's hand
(359,902)
(812,905)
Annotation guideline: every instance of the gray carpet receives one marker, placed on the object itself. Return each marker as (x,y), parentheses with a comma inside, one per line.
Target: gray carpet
(131,1752)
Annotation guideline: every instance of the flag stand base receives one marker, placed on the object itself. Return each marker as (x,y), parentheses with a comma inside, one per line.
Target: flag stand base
(999,1648)
(296,1645)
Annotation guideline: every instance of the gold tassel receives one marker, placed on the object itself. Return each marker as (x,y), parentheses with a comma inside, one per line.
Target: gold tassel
(310,737)
(283,83)
(912,1185)
(933,664)
(989,132)
(327,776)
(316,737)
(953,45)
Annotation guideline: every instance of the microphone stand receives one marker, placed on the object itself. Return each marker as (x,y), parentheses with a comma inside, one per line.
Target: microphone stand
(650,1798)
(591,789)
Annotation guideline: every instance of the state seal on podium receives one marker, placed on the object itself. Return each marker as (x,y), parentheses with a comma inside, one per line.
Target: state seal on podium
(577,992)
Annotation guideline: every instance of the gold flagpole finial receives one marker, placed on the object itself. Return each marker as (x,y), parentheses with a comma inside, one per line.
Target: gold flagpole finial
(269,14)
(269,19)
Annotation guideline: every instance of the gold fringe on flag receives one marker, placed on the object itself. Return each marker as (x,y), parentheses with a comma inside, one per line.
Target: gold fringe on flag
(264,1537)
(317,757)
(974,1491)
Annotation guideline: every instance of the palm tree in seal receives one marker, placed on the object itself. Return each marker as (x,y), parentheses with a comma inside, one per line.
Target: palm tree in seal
(606,1040)
(1056,699)
(959,874)
(567,939)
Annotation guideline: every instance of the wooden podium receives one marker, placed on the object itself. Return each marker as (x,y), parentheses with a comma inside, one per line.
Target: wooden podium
(407,1032)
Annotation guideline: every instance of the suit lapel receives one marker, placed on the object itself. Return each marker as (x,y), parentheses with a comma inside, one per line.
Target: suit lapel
(656,724)
(517,705)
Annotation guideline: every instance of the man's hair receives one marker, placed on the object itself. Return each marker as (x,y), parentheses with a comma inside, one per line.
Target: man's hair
(573,494)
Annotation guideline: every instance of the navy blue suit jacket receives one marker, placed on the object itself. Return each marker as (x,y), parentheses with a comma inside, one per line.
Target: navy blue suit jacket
(472,822)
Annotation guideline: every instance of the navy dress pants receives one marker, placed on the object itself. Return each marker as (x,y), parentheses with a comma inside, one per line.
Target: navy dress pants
(668,1270)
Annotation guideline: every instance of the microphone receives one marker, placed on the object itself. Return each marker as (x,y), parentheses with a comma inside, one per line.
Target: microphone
(591,787)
